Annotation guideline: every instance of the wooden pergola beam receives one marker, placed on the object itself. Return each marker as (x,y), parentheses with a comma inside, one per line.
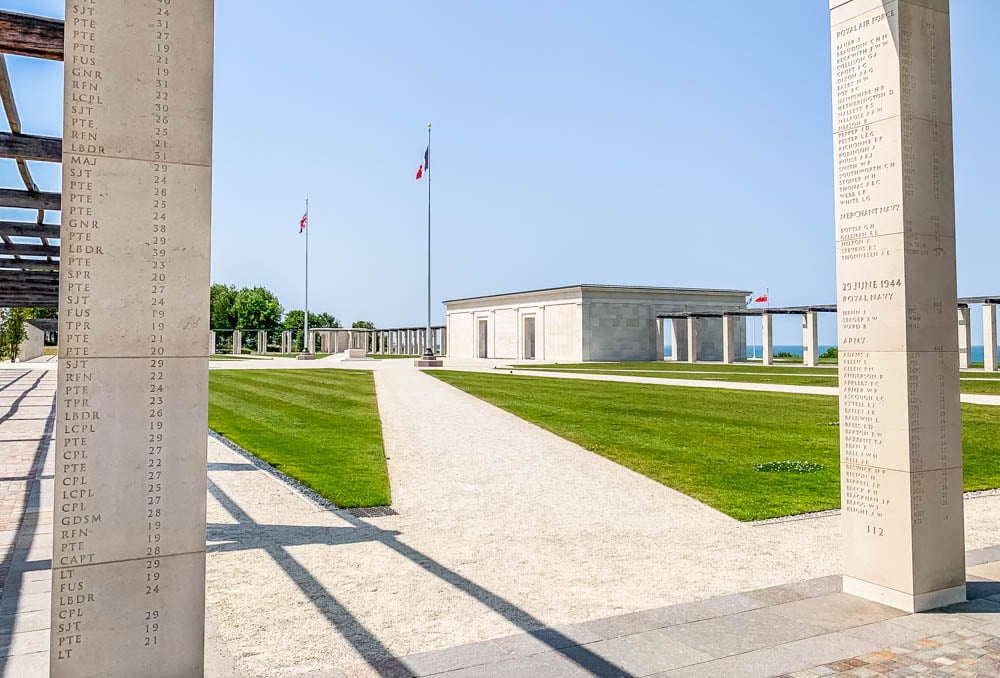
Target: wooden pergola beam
(32,36)
(27,265)
(28,276)
(30,302)
(27,229)
(30,147)
(27,250)
(32,200)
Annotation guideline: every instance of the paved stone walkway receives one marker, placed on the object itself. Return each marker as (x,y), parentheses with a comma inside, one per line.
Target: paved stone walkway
(805,629)
(502,529)
(513,552)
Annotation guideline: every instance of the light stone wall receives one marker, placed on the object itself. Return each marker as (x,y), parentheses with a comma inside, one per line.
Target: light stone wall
(461,331)
(615,332)
(562,332)
(506,331)
(33,345)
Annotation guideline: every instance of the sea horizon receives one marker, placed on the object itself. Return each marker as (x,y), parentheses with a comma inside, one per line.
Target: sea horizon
(796,350)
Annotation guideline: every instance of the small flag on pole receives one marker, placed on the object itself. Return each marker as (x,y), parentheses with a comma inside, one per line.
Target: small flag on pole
(303,222)
(761,299)
(425,164)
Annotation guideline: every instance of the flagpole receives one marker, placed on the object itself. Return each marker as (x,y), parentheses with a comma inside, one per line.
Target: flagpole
(429,348)
(305,337)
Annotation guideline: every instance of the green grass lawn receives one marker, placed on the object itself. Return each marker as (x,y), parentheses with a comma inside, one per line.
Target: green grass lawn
(296,355)
(705,442)
(981,386)
(972,382)
(227,356)
(319,426)
(669,366)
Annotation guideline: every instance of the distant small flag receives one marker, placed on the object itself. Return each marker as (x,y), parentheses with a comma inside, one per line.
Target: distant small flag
(303,222)
(760,299)
(425,165)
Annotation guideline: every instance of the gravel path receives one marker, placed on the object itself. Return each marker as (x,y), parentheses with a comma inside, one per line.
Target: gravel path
(502,527)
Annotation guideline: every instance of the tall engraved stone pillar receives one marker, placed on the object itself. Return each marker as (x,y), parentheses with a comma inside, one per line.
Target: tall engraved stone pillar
(128,562)
(901,447)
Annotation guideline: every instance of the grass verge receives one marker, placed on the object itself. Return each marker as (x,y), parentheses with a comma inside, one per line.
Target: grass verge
(986,383)
(706,442)
(319,426)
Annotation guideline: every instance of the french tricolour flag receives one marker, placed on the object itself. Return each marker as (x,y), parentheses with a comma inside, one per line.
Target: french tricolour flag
(425,165)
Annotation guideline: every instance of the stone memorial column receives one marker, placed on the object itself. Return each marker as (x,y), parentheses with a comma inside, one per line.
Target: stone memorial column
(964,338)
(678,339)
(444,342)
(261,342)
(767,338)
(128,560)
(810,340)
(728,340)
(211,343)
(900,422)
(657,338)
(237,342)
(990,337)
(692,339)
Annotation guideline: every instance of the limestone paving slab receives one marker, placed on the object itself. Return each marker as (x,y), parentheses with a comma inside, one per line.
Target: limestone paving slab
(360,592)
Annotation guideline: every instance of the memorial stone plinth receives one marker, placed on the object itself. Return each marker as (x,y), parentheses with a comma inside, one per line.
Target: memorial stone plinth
(128,564)
(901,448)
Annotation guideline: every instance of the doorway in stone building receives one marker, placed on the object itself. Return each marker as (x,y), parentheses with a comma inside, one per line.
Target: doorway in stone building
(529,338)
(483,339)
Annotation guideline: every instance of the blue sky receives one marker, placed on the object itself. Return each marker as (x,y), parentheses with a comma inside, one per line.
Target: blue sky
(649,143)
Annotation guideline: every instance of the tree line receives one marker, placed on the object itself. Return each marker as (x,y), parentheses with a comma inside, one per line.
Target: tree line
(257,308)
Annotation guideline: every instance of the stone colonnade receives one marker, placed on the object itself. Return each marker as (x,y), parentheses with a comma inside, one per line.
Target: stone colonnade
(395,341)
(687,345)
(407,340)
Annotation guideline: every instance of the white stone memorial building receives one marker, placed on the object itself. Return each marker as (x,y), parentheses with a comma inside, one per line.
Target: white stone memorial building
(582,323)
